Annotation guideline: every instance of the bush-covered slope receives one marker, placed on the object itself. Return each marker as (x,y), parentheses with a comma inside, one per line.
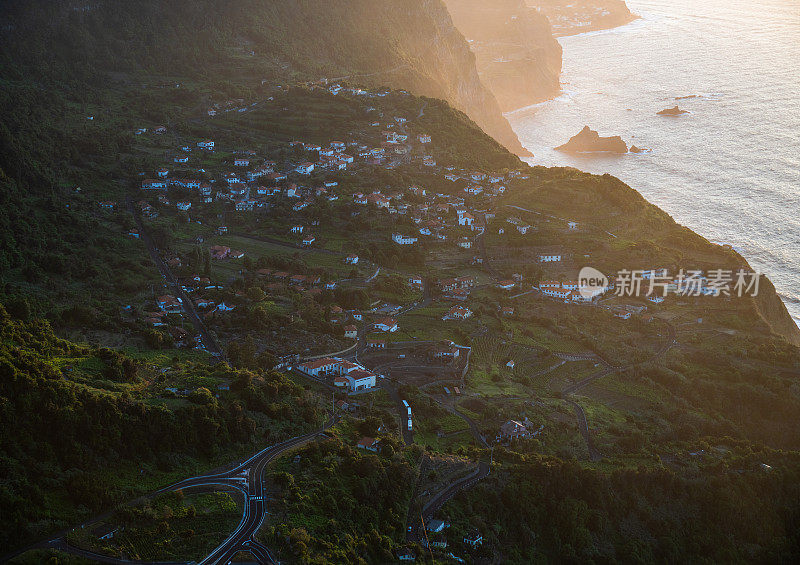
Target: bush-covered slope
(84,428)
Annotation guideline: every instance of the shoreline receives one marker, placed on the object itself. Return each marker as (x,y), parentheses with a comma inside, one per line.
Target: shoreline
(529,112)
(580,30)
(561,92)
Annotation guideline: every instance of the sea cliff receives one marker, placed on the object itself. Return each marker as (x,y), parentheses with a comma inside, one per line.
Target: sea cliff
(517,56)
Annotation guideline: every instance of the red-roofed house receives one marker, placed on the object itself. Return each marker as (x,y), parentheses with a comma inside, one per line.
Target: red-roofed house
(369,443)
(386,325)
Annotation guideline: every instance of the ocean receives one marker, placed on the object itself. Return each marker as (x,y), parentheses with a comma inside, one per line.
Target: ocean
(730,169)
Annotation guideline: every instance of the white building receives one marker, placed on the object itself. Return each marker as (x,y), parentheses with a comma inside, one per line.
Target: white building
(401,239)
(555,258)
(305,168)
(356,380)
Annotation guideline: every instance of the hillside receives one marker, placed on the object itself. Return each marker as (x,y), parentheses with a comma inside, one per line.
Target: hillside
(206,249)
(407,45)
(517,56)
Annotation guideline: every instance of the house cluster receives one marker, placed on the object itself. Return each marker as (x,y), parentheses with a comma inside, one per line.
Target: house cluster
(477,182)
(249,179)
(206,307)
(167,304)
(336,89)
(456,288)
(346,374)
(566,291)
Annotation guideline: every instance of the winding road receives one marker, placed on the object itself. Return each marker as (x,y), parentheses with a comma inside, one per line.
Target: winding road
(250,479)
(580,414)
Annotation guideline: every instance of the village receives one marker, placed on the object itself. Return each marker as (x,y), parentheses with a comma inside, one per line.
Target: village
(366,264)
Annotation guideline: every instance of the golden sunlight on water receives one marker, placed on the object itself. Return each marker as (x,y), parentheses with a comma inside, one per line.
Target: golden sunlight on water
(730,168)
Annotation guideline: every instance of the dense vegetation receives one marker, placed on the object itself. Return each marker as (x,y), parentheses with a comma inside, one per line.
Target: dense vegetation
(337,505)
(543,509)
(88,437)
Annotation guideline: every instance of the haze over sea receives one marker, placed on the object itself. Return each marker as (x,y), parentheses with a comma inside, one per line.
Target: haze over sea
(730,169)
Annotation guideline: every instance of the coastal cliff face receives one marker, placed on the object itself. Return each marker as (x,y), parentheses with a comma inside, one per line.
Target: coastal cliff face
(403,44)
(433,59)
(517,56)
(772,310)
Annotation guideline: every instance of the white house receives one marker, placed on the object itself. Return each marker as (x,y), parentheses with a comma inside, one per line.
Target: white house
(555,258)
(559,293)
(357,379)
(351,332)
(513,430)
(297,229)
(473,539)
(153,184)
(401,239)
(314,368)
(576,296)
(305,168)
(206,144)
(351,259)
(466,219)
(457,313)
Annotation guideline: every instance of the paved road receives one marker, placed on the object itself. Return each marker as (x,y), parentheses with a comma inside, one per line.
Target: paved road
(248,478)
(402,414)
(417,530)
(583,423)
(255,507)
(209,342)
